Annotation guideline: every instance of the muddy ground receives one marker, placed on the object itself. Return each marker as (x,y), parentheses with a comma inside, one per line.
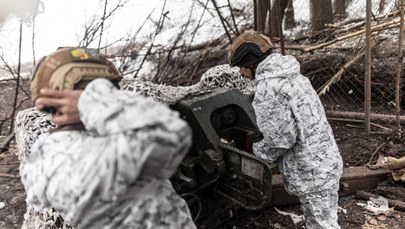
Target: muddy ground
(356,148)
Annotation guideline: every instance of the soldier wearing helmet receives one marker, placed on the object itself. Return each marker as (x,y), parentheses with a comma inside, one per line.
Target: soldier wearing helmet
(71,68)
(294,125)
(247,51)
(108,163)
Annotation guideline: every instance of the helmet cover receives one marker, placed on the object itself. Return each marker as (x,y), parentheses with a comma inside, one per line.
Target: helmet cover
(66,67)
(250,42)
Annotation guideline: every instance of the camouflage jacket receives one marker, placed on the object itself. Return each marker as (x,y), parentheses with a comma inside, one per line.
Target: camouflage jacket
(296,131)
(115,174)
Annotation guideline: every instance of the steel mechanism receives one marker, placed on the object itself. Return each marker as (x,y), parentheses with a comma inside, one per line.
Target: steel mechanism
(220,173)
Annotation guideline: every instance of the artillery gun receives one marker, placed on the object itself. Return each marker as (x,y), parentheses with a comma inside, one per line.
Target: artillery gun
(220,174)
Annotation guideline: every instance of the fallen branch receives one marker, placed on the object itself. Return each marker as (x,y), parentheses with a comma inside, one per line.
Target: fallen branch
(397,204)
(5,145)
(360,121)
(9,175)
(392,191)
(325,87)
(354,126)
(10,163)
(379,163)
(379,27)
(352,221)
(359,22)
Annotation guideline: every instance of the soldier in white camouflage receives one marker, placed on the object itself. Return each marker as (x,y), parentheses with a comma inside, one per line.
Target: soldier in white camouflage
(108,162)
(31,123)
(296,131)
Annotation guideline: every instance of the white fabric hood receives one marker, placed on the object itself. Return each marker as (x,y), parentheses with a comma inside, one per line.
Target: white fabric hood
(277,66)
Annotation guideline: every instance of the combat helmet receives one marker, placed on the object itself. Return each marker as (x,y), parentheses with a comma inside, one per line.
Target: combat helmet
(249,48)
(66,68)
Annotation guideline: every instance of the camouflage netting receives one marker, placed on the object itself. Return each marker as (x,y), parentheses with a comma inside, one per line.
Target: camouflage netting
(46,219)
(218,76)
(31,123)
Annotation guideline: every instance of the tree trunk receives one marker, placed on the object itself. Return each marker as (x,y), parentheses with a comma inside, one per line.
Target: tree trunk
(277,15)
(340,9)
(289,21)
(320,14)
(262,10)
(381,6)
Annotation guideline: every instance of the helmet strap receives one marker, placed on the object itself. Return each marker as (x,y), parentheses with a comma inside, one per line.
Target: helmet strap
(253,70)
(254,66)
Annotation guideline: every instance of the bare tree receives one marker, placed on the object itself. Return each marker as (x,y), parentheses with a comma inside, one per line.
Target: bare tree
(289,20)
(340,9)
(320,14)
(26,13)
(269,15)
(277,15)
(158,30)
(262,9)
(94,29)
(224,22)
(381,6)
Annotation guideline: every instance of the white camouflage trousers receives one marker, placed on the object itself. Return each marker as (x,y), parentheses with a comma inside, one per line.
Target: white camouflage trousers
(320,209)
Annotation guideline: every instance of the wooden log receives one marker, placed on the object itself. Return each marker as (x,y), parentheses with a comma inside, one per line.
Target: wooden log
(397,204)
(397,192)
(9,175)
(358,115)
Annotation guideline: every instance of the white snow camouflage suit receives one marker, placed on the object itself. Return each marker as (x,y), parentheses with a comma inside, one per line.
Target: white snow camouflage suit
(120,166)
(31,123)
(297,133)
